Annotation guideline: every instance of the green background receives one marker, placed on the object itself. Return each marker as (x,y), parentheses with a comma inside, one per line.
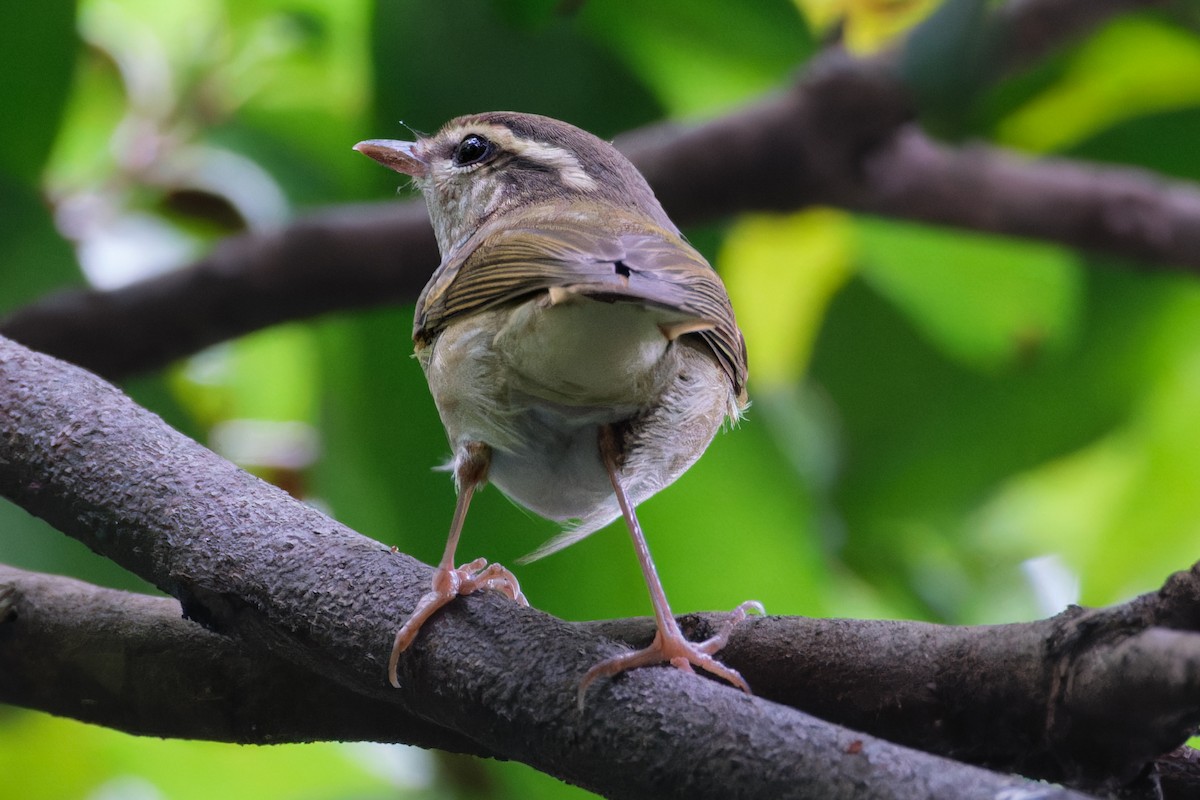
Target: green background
(946,425)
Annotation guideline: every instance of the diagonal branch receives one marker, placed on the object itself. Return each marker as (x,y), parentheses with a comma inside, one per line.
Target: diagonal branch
(344,258)
(840,136)
(283,580)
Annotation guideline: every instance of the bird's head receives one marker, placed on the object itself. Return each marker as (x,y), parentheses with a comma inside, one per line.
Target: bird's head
(483,165)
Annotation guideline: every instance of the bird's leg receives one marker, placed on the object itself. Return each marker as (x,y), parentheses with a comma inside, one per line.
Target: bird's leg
(470,472)
(669,642)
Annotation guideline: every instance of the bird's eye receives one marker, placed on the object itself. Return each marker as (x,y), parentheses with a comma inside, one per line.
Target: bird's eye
(472,150)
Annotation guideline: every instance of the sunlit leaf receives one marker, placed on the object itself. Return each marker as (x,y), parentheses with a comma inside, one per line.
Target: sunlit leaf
(1135,65)
(1114,509)
(269,375)
(1059,509)
(925,435)
(867,25)
(780,273)
(293,55)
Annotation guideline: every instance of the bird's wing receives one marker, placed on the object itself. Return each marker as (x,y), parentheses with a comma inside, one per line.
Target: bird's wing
(638,265)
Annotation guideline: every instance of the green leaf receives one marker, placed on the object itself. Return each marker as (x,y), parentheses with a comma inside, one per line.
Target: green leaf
(987,301)
(36,63)
(741,506)
(36,259)
(948,58)
(29,543)
(925,437)
(694,56)
(1120,510)
(1164,142)
(1136,65)
(435,61)
(382,439)
(269,375)
(781,272)
(112,764)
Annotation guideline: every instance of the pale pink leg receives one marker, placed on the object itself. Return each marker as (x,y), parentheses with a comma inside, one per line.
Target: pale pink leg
(669,643)
(449,581)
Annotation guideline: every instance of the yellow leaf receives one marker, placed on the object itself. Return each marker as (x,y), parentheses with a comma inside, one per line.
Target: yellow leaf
(1132,67)
(868,25)
(781,272)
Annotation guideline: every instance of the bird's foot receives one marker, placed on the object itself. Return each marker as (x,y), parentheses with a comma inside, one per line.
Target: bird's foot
(670,645)
(479,575)
(449,583)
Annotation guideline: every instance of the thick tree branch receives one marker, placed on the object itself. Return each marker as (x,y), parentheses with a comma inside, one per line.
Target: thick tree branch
(1088,697)
(841,136)
(255,565)
(132,662)
(273,571)
(979,694)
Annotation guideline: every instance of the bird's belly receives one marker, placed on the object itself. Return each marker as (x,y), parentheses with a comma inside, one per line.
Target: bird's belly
(557,472)
(536,384)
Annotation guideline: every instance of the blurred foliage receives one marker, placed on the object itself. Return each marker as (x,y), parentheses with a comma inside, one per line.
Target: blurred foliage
(866,26)
(946,425)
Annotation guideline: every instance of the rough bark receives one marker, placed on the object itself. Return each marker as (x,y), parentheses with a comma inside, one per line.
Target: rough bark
(251,563)
(1090,696)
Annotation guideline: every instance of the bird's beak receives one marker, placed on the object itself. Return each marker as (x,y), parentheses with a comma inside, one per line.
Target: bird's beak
(395,155)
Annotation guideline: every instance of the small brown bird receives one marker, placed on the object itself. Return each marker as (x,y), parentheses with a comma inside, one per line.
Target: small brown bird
(581,354)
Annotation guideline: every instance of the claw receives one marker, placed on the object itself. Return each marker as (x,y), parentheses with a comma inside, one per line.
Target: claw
(671,646)
(447,585)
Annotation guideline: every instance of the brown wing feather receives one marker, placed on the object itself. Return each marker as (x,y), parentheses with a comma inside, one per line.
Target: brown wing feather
(626,260)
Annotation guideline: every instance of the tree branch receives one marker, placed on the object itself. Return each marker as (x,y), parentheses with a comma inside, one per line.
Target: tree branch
(277,576)
(841,136)
(1035,28)
(255,565)
(977,693)
(132,662)
(343,258)
(1089,697)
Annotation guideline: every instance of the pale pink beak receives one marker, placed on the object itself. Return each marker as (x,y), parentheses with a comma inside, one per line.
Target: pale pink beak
(396,155)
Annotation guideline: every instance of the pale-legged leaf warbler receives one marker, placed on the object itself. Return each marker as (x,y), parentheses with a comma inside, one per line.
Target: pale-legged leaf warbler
(581,354)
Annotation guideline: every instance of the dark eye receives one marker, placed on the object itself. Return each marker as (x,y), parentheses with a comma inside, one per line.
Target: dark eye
(471,150)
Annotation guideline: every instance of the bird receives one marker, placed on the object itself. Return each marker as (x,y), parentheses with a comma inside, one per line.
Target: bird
(581,353)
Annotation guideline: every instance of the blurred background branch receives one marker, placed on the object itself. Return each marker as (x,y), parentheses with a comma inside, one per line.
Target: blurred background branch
(839,138)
